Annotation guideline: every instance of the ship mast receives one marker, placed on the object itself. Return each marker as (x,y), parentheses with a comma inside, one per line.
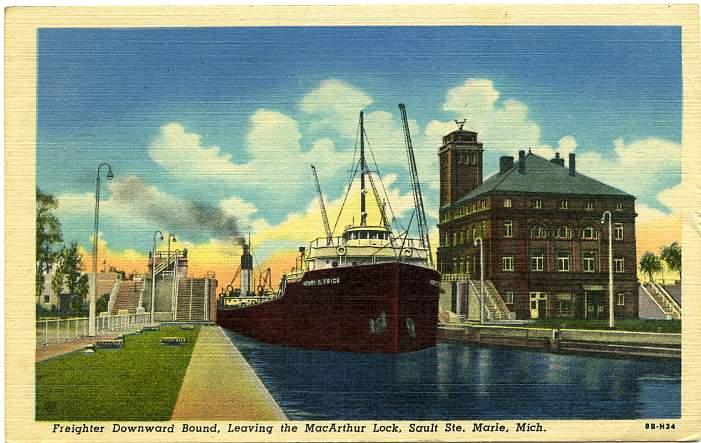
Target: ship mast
(363,213)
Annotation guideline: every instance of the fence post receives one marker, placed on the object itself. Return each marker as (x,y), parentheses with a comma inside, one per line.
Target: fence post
(46,332)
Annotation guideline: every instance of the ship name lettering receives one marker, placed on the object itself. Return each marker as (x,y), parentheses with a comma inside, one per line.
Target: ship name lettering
(334,427)
(322,281)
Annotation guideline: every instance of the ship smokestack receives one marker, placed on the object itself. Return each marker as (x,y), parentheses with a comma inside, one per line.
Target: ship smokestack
(246,269)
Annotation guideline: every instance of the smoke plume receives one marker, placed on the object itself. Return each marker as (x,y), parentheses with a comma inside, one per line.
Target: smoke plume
(174,214)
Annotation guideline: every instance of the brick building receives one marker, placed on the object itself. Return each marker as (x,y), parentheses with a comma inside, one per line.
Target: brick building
(546,250)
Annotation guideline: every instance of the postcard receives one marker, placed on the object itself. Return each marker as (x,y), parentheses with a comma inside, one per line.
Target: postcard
(352,223)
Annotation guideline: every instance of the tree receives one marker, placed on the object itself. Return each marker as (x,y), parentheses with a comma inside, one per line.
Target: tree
(650,264)
(672,256)
(48,236)
(58,279)
(72,266)
(67,273)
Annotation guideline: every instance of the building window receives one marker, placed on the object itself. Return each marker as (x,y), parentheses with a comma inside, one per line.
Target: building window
(618,265)
(589,206)
(600,308)
(536,261)
(564,232)
(47,299)
(590,308)
(564,260)
(563,204)
(565,305)
(483,204)
(462,237)
(619,206)
(538,231)
(508,229)
(590,233)
(509,297)
(446,241)
(589,261)
(507,263)
(538,204)
(467,235)
(455,238)
(507,202)
(475,232)
(621,299)
(618,231)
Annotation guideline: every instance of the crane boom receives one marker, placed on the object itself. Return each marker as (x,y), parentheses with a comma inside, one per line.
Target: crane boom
(416,186)
(327,227)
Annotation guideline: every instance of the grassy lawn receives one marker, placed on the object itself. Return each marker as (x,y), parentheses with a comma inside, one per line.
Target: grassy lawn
(139,382)
(637,325)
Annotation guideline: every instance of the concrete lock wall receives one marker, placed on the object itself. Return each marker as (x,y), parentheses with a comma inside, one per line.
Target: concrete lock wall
(164,291)
(617,337)
(473,303)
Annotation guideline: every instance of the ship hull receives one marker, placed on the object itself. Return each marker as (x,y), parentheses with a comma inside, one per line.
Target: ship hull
(386,307)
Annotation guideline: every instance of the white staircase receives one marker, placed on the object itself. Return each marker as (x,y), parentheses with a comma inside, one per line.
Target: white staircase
(494,307)
(663,300)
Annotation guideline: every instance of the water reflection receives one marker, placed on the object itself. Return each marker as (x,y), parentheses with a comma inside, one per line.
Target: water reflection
(454,381)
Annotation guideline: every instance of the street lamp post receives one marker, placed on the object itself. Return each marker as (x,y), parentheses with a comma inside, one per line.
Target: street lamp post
(603,220)
(93,295)
(171,236)
(480,243)
(173,288)
(153,273)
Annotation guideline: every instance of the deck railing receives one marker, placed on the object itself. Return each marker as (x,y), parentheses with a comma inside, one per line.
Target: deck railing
(62,329)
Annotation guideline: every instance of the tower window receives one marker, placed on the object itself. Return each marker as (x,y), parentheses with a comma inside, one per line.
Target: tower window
(507,202)
(618,265)
(507,263)
(590,206)
(618,231)
(621,299)
(508,229)
(619,206)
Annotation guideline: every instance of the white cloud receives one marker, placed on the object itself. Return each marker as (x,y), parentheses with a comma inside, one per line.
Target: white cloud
(642,167)
(335,105)
(504,125)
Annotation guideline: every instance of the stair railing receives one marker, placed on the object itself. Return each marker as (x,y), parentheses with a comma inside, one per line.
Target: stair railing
(667,299)
(501,306)
(655,300)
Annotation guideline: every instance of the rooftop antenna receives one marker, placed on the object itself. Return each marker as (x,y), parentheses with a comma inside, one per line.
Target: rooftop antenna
(460,123)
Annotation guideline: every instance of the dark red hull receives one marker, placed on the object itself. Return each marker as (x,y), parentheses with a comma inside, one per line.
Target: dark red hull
(386,307)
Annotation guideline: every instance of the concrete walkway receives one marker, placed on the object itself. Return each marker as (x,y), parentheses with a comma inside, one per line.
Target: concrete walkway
(220,385)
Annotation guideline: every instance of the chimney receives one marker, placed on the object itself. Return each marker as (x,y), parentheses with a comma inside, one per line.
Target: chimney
(522,162)
(505,163)
(572,164)
(557,160)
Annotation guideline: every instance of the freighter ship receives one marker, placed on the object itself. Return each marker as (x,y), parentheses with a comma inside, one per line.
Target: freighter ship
(368,290)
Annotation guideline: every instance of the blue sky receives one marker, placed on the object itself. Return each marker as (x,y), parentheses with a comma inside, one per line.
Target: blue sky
(139,98)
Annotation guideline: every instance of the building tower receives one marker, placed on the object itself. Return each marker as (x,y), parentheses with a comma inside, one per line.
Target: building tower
(460,164)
